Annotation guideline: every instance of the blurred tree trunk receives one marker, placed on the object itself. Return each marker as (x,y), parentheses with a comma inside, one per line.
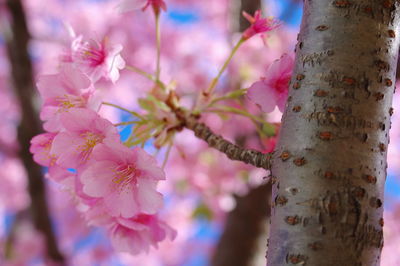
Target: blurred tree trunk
(330,160)
(243,227)
(22,76)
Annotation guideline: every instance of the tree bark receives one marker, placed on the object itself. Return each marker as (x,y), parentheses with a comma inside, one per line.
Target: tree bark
(22,77)
(232,151)
(330,161)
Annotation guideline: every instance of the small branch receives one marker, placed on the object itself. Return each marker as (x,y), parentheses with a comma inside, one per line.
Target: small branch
(22,76)
(146,75)
(124,109)
(232,151)
(140,72)
(214,82)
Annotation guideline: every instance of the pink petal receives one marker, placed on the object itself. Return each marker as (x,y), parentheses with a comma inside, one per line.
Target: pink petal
(121,203)
(65,148)
(100,124)
(40,147)
(148,165)
(116,64)
(282,66)
(49,86)
(129,5)
(263,96)
(83,197)
(112,150)
(51,115)
(59,174)
(150,201)
(74,78)
(132,224)
(97,179)
(249,17)
(124,241)
(98,216)
(93,100)
(78,119)
(281,102)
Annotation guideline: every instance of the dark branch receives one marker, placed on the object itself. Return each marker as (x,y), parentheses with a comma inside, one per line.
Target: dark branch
(232,151)
(22,76)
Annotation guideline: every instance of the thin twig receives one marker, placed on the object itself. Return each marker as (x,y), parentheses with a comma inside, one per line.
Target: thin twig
(124,109)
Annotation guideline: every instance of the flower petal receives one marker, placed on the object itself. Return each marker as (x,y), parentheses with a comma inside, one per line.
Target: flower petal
(97,179)
(262,95)
(150,201)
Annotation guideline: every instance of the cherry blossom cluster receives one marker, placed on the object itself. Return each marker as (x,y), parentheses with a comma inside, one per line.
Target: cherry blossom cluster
(114,185)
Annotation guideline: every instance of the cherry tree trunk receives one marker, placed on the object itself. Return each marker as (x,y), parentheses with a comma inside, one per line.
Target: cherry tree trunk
(329,167)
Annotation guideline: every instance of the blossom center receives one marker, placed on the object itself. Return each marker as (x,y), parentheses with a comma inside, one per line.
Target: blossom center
(47,155)
(91,139)
(125,175)
(94,57)
(282,84)
(69,101)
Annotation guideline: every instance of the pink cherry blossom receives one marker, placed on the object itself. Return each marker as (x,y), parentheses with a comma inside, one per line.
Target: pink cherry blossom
(129,5)
(132,235)
(272,90)
(84,129)
(40,147)
(258,24)
(98,59)
(139,233)
(62,91)
(125,178)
